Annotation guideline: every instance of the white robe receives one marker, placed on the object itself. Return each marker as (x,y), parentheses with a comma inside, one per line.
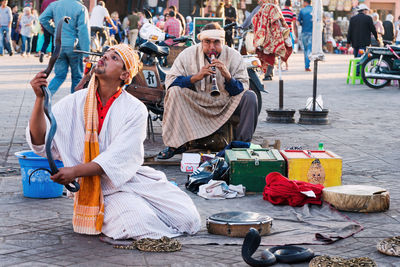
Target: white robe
(139,201)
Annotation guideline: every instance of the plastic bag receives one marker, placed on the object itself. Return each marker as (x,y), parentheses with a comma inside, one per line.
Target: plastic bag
(319,104)
(214,169)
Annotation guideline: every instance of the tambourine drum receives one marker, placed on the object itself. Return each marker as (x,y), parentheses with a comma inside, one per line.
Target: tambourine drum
(357,198)
(237,224)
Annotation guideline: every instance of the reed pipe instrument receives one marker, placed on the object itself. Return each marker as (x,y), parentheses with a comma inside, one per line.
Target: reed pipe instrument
(214,89)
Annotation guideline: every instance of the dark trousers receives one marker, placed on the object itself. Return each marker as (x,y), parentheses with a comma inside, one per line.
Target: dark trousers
(248,113)
(357,49)
(270,71)
(47,38)
(228,38)
(34,43)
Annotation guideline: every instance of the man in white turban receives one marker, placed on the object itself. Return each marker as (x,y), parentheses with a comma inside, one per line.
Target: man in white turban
(99,138)
(190,112)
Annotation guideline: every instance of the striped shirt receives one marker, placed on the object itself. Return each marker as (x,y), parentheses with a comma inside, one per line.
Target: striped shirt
(289,16)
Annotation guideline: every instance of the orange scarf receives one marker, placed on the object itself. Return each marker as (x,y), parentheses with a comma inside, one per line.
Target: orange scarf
(88,202)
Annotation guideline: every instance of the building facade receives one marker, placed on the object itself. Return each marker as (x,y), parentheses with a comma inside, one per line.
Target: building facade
(384,7)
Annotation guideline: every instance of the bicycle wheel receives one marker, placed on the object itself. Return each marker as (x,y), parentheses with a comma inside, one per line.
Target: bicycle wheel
(371,65)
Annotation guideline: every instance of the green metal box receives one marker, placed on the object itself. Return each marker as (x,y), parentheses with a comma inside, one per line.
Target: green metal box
(249,167)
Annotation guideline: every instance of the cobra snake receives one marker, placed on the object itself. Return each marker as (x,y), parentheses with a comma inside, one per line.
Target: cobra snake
(47,110)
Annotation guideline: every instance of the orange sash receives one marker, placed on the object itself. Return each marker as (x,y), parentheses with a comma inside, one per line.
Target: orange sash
(88,202)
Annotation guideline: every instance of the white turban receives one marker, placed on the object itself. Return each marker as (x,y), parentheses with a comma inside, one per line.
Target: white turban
(218,34)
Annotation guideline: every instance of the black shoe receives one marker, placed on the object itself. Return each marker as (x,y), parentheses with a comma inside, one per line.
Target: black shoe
(169,152)
(41,57)
(11,53)
(267,78)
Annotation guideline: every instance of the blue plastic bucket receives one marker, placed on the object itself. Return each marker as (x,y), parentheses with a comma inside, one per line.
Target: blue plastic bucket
(40,186)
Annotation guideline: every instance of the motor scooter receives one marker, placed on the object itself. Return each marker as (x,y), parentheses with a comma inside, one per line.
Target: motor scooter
(380,65)
(251,61)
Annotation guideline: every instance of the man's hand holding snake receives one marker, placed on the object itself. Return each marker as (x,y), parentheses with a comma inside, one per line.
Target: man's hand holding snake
(64,175)
(39,80)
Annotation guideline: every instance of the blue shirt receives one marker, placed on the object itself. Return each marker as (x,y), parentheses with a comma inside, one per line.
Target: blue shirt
(305,19)
(76,29)
(234,87)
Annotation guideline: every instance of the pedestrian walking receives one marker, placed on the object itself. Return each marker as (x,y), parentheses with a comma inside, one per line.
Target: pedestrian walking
(397,31)
(5,27)
(117,34)
(271,36)
(379,30)
(230,17)
(388,36)
(48,37)
(189,26)
(27,20)
(76,30)
(161,22)
(96,22)
(134,24)
(180,18)
(360,29)
(172,26)
(290,19)
(305,20)
(15,28)
(36,30)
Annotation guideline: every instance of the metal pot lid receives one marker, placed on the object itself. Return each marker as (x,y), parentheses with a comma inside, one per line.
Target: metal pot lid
(240,217)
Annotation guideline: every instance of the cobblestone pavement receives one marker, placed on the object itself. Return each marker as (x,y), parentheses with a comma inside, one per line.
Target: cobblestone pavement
(363,130)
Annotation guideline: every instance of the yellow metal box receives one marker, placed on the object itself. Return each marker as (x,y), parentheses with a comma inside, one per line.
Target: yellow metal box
(314,166)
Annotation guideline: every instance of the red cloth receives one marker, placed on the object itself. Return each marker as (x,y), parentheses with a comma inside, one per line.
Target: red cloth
(102,111)
(281,190)
(269,26)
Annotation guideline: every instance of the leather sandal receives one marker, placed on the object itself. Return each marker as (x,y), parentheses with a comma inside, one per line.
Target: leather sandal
(169,152)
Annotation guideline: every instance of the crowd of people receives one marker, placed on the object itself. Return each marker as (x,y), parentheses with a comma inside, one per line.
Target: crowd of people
(23,33)
(22,29)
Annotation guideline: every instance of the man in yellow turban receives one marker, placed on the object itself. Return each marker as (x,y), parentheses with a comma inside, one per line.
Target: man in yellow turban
(99,138)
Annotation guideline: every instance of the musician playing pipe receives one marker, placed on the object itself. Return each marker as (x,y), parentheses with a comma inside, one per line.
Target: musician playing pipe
(190,111)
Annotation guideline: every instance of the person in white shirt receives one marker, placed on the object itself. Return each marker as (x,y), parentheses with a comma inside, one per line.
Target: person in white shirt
(99,138)
(397,31)
(99,13)
(27,21)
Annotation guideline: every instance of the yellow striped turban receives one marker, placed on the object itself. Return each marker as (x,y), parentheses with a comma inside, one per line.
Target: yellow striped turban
(130,59)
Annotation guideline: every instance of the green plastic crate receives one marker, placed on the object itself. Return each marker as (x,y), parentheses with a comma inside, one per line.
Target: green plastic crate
(249,167)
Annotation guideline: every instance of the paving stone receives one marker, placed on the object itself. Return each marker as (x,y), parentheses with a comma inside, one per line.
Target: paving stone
(43,228)
(10,261)
(132,259)
(35,264)
(32,240)
(97,263)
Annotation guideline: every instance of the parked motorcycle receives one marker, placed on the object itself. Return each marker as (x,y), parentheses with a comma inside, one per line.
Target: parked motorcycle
(251,61)
(380,65)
